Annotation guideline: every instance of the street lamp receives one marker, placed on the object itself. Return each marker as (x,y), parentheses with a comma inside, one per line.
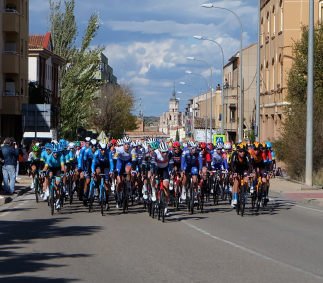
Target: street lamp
(192,58)
(240,92)
(222,96)
(189,72)
(183,83)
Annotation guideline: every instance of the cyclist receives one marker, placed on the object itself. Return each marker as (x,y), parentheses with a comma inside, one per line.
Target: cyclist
(125,162)
(162,164)
(34,163)
(66,153)
(241,167)
(152,146)
(217,161)
(76,150)
(81,164)
(87,161)
(258,164)
(177,156)
(137,179)
(55,164)
(190,161)
(44,155)
(103,163)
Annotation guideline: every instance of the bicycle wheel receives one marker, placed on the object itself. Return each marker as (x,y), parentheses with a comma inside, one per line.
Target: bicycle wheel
(163,204)
(124,198)
(36,186)
(259,196)
(102,197)
(216,193)
(71,191)
(52,200)
(192,199)
(242,202)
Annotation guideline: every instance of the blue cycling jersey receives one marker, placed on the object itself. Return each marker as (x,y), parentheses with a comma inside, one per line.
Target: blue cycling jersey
(51,161)
(102,160)
(44,156)
(80,158)
(217,161)
(190,160)
(272,155)
(66,154)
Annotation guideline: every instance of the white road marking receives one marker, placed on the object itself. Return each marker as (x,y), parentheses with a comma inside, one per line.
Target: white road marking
(253,252)
(309,208)
(4,214)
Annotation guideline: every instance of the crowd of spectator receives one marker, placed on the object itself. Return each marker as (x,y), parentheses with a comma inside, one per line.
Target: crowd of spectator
(13,161)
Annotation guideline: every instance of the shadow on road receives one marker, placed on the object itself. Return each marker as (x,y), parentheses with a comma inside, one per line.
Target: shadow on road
(16,235)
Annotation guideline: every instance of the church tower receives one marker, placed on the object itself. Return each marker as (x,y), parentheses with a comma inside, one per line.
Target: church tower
(173,102)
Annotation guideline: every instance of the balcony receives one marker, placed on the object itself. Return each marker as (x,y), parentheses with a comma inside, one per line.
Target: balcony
(10,22)
(10,63)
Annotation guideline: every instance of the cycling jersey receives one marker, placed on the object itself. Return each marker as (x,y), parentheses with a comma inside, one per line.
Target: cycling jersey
(217,161)
(125,159)
(272,155)
(66,154)
(80,158)
(177,158)
(53,162)
(191,160)
(206,157)
(257,157)
(158,161)
(33,158)
(240,165)
(44,156)
(87,159)
(100,160)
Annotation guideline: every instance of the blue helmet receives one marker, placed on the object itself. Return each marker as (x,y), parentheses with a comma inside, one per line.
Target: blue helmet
(268,144)
(62,141)
(55,149)
(61,147)
(48,146)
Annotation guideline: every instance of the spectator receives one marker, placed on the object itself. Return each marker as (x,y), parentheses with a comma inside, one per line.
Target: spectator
(10,162)
(1,176)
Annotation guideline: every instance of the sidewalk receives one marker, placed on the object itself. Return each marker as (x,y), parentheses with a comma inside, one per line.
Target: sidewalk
(294,191)
(20,188)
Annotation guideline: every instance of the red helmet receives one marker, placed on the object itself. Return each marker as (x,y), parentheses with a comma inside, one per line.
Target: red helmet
(114,142)
(210,146)
(176,145)
(202,145)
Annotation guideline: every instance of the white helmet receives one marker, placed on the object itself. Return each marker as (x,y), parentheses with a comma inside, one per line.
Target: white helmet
(126,140)
(103,145)
(139,142)
(120,142)
(87,139)
(93,143)
(134,144)
(71,145)
(163,147)
(227,145)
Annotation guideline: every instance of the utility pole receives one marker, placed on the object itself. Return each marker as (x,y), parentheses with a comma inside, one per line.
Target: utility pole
(257,128)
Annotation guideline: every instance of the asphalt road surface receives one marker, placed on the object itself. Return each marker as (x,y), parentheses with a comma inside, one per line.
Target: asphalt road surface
(281,243)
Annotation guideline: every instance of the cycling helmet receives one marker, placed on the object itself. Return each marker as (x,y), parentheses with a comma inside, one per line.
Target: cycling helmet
(93,143)
(193,144)
(219,145)
(227,145)
(154,145)
(134,144)
(48,146)
(264,146)
(163,147)
(127,140)
(268,145)
(189,144)
(139,142)
(71,145)
(119,142)
(203,145)
(55,149)
(256,145)
(62,141)
(77,143)
(176,145)
(35,148)
(234,147)
(240,146)
(60,147)
(150,141)
(210,146)
(113,142)
(82,144)
(54,142)
(103,145)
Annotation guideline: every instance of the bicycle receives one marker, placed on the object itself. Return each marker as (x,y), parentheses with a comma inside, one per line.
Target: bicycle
(227,189)
(190,194)
(216,190)
(161,203)
(126,193)
(177,193)
(53,195)
(36,186)
(91,194)
(205,192)
(103,198)
(241,197)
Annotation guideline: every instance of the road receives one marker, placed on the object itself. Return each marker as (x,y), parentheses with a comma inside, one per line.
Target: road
(282,243)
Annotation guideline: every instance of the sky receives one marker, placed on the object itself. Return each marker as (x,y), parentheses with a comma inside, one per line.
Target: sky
(148,42)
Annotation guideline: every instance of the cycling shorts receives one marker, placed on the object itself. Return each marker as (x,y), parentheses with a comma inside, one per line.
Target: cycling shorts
(190,169)
(121,165)
(56,172)
(104,170)
(262,168)
(163,172)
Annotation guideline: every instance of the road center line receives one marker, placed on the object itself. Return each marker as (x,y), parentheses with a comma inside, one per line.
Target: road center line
(253,252)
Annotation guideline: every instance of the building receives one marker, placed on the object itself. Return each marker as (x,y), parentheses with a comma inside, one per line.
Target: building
(14,24)
(172,118)
(181,133)
(105,72)
(44,64)
(281,22)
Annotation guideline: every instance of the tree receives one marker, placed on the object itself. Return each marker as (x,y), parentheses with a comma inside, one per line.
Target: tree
(78,86)
(177,135)
(114,109)
(294,125)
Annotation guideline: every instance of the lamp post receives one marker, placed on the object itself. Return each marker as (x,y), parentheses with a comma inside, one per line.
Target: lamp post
(240,92)
(192,58)
(183,83)
(222,94)
(179,92)
(257,128)
(309,123)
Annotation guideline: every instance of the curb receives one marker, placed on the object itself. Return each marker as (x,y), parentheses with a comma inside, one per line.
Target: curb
(301,183)
(312,202)
(11,198)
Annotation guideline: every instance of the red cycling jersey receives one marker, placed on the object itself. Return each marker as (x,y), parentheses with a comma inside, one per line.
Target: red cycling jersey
(206,157)
(259,157)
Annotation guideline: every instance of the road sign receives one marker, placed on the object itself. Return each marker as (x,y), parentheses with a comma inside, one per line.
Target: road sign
(219,139)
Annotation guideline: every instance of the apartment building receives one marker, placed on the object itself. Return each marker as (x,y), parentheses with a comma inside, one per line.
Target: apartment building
(281,22)
(105,72)
(14,24)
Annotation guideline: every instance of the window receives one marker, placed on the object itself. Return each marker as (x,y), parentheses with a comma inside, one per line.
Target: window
(27,10)
(273,74)
(22,48)
(273,20)
(268,27)
(232,114)
(22,87)
(281,15)
(22,7)
(280,71)
(261,78)
(26,48)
